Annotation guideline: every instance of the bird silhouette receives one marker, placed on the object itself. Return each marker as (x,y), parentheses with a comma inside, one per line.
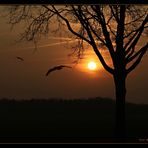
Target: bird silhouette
(57,68)
(19,58)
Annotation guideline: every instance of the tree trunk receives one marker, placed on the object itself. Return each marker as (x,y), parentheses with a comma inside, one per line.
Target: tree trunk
(120,89)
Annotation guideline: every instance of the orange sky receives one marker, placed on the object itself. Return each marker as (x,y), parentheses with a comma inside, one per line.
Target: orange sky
(25,80)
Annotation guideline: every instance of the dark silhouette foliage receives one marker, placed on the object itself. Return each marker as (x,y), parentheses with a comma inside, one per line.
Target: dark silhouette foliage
(59,120)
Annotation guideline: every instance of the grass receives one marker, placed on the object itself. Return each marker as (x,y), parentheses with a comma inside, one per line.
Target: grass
(57,120)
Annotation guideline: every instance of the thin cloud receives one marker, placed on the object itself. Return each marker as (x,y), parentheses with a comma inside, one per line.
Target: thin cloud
(60,38)
(52,44)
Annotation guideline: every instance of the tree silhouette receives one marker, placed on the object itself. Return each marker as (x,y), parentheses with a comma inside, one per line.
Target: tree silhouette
(115,28)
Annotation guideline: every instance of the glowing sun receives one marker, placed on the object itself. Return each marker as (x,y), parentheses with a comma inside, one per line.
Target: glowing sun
(92,65)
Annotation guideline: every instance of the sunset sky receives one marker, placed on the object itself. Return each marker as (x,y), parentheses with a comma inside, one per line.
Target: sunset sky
(26,79)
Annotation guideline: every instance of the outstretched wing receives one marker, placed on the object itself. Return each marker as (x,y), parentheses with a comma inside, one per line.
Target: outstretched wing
(19,58)
(56,68)
(51,70)
(65,66)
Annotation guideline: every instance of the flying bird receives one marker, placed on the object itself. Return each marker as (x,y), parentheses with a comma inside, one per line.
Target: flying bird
(19,58)
(57,68)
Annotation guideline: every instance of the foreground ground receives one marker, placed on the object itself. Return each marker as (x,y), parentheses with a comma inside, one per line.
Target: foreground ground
(89,120)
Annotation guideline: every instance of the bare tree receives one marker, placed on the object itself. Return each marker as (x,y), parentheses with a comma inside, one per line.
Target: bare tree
(117,28)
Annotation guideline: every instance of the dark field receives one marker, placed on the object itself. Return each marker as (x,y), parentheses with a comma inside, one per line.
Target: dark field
(91,120)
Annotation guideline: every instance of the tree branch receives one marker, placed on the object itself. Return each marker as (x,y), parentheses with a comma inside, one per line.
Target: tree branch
(120,30)
(135,20)
(93,44)
(136,36)
(69,26)
(115,16)
(105,31)
(139,56)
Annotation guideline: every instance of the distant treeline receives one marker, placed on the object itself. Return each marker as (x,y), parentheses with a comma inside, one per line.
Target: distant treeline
(50,119)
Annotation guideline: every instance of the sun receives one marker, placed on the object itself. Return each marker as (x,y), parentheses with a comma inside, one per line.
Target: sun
(92,65)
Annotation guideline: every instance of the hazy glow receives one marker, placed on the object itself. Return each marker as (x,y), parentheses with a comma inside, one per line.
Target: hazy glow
(92,65)
(26,80)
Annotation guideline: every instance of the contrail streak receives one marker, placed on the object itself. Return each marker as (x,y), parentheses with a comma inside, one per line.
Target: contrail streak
(60,38)
(52,44)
